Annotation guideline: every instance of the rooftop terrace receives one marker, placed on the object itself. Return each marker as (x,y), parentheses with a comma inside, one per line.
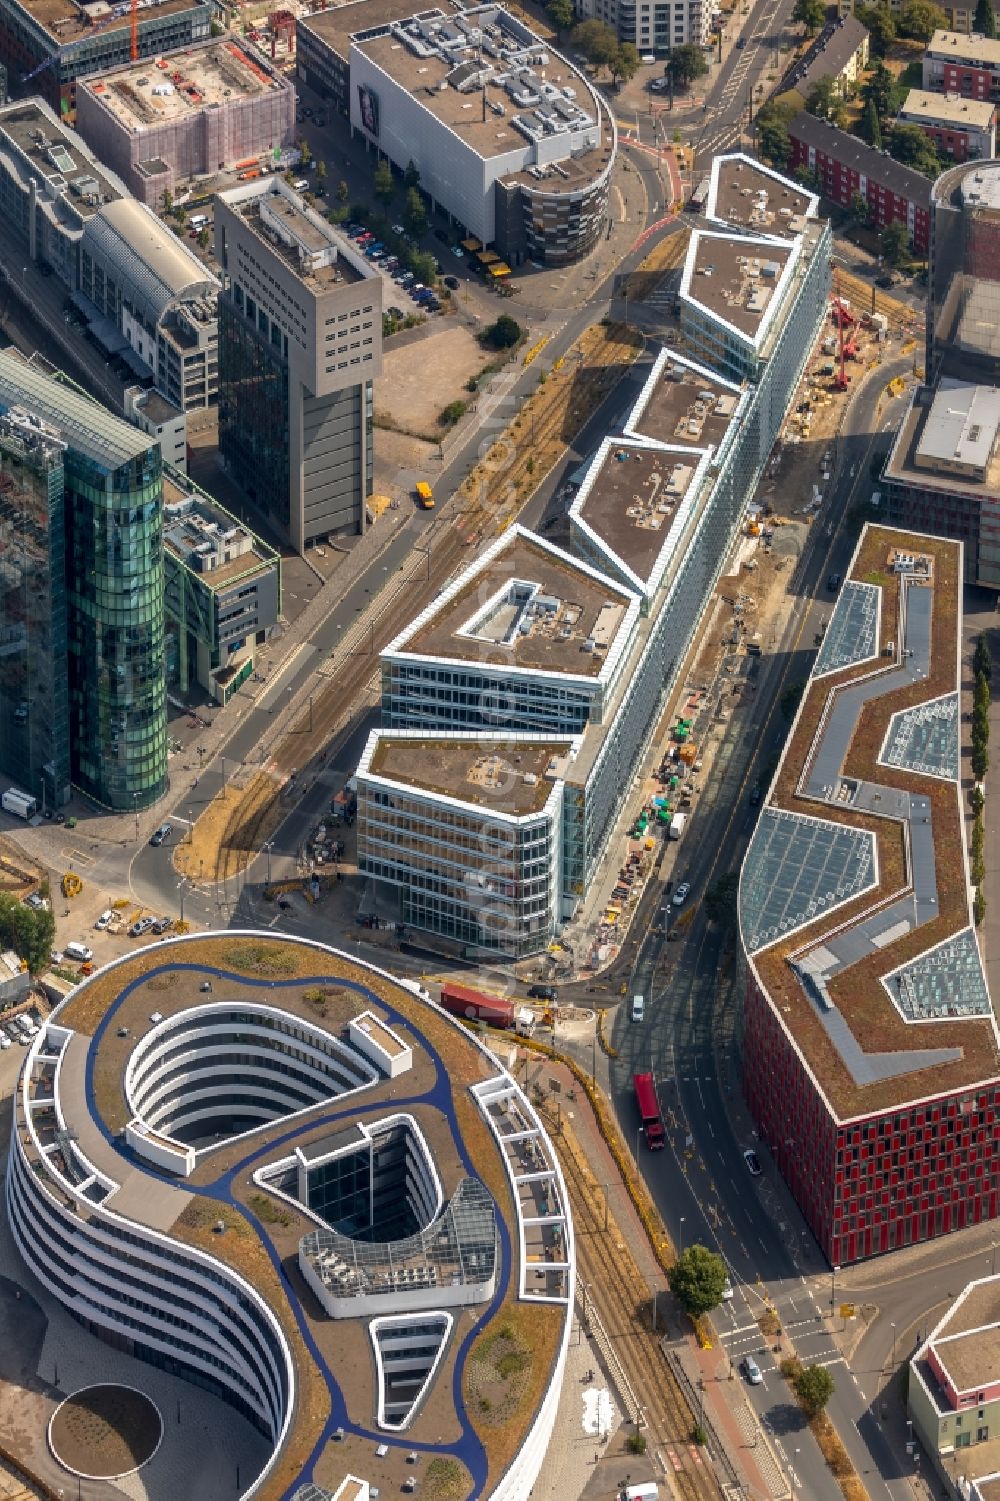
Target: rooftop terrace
(748,195)
(527,604)
(511,776)
(683,403)
(178,85)
(66,21)
(948,438)
(319,254)
(49,153)
(205,537)
(854,903)
(735,278)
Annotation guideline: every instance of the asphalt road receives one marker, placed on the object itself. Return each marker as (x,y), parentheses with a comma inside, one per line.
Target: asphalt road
(702,1184)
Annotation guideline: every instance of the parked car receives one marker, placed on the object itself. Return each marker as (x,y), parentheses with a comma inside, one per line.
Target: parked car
(160,834)
(681,895)
(102,922)
(432,305)
(543,993)
(751,1371)
(452,283)
(753,1162)
(398,229)
(4,1041)
(35,901)
(440,234)
(162,924)
(142,926)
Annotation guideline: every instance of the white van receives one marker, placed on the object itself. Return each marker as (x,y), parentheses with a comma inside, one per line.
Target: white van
(78,951)
(638,1008)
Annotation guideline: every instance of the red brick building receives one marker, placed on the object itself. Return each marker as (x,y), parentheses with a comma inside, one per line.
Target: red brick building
(845,166)
(963,129)
(871,1054)
(965,65)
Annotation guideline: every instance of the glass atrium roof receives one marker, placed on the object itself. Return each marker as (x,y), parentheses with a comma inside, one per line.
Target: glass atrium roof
(460,1247)
(798,868)
(945,982)
(852,634)
(925,739)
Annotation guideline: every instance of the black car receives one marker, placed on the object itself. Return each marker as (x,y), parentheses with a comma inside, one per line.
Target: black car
(741,43)
(543,993)
(885,281)
(451,282)
(833,582)
(442,235)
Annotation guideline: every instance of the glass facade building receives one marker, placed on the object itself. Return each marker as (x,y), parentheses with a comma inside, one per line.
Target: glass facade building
(254,417)
(34,699)
(112,582)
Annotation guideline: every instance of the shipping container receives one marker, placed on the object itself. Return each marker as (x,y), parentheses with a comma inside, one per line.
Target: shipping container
(460,1000)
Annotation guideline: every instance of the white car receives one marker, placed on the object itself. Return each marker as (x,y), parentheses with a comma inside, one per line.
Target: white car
(752,1371)
(102,922)
(727,1291)
(4,1042)
(681,894)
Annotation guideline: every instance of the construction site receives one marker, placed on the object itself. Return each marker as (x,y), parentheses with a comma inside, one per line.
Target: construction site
(186,114)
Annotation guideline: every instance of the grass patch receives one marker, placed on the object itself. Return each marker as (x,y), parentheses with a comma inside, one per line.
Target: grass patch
(267,1211)
(259,958)
(446,1480)
(497,1372)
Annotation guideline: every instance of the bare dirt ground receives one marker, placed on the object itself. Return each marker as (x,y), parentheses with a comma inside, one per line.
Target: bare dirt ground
(417,382)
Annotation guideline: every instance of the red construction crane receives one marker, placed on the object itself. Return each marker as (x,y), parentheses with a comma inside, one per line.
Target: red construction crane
(134,22)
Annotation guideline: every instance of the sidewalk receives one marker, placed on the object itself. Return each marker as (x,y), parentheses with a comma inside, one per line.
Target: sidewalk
(742,1441)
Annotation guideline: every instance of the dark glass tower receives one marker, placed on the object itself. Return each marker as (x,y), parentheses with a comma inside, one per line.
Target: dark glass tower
(112,661)
(34,700)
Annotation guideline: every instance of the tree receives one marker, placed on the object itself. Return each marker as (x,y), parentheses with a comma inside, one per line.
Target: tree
(881,90)
(411,175)
(698,1280)
(978,907)
(596,41)
(504,333)
(685,64)
(895,242)
(773,121)
(825,103)
(383,185)
(920,19)
(873,130)
(422,264)
(625,63)
(811,13)
(814,1386)
(305,153)
(168,200)
(204,237)
(29,931)
(982,661)
(909,145)
(720,900)
(321,172)
(859,207)
(415,212)
(343,191)
(986,21)
(561,14)
(881,26)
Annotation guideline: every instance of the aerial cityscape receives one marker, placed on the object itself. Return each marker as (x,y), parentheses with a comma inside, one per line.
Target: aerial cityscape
(499,579)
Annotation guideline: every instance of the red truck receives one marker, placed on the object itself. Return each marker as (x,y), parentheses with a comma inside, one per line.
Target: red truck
(511,1016)
(649,1111)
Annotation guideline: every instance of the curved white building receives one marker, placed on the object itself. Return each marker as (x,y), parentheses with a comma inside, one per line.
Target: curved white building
(277,1173)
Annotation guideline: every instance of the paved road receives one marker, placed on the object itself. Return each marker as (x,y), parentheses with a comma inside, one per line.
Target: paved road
(702,1184)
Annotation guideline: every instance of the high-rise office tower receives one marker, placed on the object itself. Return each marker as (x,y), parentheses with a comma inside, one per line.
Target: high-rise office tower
(98,651)
(300,342)
(34,697)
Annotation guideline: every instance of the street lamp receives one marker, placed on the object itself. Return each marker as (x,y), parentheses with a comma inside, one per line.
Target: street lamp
(681,1247)
(182,887)
(833,1285)
(267,850)
(893,1328)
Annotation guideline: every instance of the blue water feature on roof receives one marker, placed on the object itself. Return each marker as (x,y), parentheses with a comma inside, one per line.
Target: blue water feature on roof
(924,739)
(852,634)
(797,869)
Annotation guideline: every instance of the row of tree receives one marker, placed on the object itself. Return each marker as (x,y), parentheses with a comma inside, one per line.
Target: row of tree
(916,19)
(598,43)
(30,932)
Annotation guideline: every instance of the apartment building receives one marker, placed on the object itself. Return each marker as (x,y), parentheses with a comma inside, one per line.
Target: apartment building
(847,168)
